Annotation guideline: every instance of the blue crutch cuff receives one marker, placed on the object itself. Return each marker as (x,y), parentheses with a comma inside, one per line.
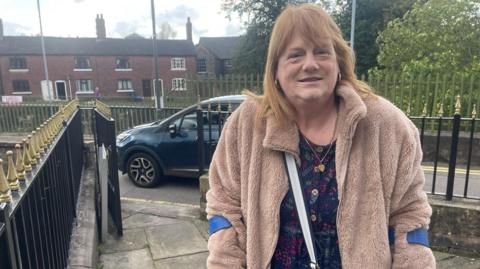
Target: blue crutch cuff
(418,236)
(217,223)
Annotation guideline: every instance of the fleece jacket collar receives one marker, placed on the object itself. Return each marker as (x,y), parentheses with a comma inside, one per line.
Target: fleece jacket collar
(285,138)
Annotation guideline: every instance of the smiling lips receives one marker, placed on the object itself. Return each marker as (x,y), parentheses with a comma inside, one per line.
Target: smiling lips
(310,79)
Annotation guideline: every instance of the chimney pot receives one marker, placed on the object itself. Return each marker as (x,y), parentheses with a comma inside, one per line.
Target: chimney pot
(189,30)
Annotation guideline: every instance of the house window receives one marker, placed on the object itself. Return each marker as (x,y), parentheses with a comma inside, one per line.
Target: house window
(228,64)
(18,63)
(84,85)
(123,63)
(201,65)
(82,63)
(124,85)
(21,86)
(178,84)
(178,64)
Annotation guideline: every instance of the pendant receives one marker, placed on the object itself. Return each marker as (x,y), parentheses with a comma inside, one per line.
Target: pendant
(319,168)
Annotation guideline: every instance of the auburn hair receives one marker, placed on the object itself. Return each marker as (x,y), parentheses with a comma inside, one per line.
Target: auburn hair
(312,23)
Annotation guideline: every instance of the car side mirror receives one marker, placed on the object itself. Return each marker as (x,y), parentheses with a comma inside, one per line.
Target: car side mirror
(172,129)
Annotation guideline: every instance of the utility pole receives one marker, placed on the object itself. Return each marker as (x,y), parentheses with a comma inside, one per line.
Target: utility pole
(45,67)
(352,26)
(158,101)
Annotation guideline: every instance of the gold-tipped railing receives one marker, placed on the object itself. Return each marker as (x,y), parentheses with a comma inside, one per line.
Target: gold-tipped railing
(103,108)
(27,156)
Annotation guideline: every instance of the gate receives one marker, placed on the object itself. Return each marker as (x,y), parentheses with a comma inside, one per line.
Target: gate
(103,127)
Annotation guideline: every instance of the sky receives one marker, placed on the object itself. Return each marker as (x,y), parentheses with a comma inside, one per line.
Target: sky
(76,18)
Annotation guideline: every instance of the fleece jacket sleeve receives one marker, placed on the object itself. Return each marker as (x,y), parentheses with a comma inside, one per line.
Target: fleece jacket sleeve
(409,207)
(226,246)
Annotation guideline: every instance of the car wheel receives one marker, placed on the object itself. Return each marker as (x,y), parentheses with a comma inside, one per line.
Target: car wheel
(143,170)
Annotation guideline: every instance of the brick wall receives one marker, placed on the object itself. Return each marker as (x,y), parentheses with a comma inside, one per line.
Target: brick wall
(103,73)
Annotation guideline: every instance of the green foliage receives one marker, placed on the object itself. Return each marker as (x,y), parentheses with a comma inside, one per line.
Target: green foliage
(438,36)
(261,15)
(371,18)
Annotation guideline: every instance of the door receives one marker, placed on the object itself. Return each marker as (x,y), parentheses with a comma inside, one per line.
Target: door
(147,88)
(47,90)
(61,90)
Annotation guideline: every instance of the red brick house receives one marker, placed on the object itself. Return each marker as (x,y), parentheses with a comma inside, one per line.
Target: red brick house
(215,54)
(77,66)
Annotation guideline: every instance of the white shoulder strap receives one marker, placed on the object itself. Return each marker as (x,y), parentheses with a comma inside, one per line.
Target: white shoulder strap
(300,204)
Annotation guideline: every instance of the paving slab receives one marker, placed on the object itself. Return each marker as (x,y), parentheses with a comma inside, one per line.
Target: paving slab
(161,209)
(146,220)
(202,227)
(459,262)
(139,258)
(194,261)
(175,240)
(132,239)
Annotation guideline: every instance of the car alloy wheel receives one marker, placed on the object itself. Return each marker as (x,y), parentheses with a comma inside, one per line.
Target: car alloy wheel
(143,170)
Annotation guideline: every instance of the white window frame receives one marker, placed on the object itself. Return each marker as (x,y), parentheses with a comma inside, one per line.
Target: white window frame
(204,64)
(89,64)
(176,86)
(124,82)
(78,86)
(28,91)
(177,63)
(129,64)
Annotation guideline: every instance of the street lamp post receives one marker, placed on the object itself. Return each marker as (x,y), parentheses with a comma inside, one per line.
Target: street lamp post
(352,26)
(158,99)
(45,67)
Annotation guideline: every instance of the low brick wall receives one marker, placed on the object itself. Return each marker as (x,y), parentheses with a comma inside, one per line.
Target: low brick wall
(454,227)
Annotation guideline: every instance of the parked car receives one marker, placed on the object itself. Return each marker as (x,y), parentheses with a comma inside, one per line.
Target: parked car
(149,152)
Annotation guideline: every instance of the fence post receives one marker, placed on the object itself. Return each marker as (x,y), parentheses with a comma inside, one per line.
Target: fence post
(4,217)
(453,149)
(200,140)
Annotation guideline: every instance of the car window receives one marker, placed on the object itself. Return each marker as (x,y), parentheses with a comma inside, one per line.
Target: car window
(188,122)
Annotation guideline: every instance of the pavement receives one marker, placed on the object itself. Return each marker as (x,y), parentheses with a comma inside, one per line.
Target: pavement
(165,235)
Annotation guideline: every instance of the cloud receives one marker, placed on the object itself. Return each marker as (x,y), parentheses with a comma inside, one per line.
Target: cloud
(232,29)
(124,28)
(177,16)
(78,1)
(15,29)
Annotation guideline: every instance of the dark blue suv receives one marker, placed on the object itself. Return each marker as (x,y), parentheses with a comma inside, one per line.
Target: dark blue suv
(169,147)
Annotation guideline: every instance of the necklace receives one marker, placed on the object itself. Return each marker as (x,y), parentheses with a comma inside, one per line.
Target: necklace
(321,166)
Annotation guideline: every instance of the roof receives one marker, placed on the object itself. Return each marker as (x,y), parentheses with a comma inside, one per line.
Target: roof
(222,47)
(26,45)
(227,98)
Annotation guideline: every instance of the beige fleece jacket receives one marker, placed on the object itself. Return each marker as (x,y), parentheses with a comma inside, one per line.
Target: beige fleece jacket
(380,183)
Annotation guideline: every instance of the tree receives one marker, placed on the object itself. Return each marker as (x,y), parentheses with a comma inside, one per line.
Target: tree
(166,31)
(251,54)
(371,18)
(440,35)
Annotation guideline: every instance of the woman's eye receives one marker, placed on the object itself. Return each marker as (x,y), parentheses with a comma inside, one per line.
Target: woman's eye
(294,55)
(321,52)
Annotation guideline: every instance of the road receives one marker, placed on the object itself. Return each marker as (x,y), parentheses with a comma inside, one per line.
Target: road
(185,191)
(172,190)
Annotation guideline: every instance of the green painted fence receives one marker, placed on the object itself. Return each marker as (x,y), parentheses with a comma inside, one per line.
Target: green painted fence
(24,118)
(414,93)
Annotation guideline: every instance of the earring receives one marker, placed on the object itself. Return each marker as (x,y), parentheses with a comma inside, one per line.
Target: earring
(277,84)
(339,77)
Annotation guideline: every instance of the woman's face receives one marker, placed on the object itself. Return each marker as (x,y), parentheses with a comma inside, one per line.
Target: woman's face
(307,72)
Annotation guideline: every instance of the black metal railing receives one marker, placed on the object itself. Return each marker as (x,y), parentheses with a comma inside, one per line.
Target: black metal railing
(451,144)
(210,122)
(103,126)
(451,153)
(38,202)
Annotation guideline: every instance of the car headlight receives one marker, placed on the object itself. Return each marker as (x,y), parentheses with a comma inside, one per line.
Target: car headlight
(123,137)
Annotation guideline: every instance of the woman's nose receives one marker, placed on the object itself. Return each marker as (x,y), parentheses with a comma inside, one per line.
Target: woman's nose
(310,63)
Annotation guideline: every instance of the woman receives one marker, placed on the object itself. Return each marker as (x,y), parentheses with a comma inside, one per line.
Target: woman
(358,158)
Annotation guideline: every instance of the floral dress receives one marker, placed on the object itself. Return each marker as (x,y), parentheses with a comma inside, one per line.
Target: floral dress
(321,196)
